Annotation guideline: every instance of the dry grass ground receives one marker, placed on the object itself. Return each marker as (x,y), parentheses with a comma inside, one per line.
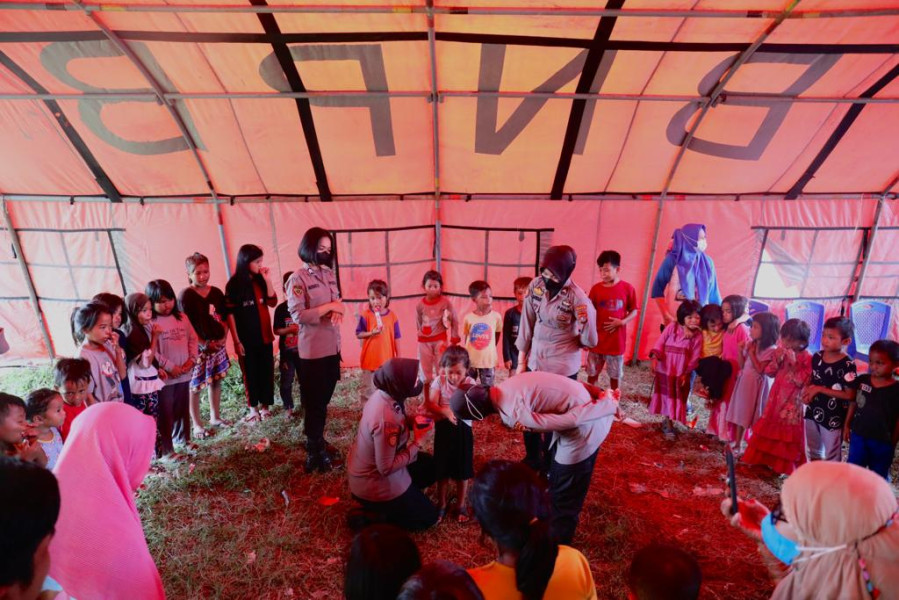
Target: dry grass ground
(237,523)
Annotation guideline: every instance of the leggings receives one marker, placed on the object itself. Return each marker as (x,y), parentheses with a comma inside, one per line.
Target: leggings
(258,366)
(318,377)
(173,421)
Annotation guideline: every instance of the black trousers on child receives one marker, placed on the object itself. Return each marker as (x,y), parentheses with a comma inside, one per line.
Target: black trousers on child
(290,367)
(412,510)
(258,366)
(714,373)
(173,422)
(318,378)
(568,485)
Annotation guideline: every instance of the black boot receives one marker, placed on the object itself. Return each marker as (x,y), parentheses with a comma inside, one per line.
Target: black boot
(313,458)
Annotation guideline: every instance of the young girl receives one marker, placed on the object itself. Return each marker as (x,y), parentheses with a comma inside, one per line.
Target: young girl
(736,335)
(434,317)
(249,294)
(713,371)
(143,336)
(379,330)
(119,317)
(98,344)
(674,357)
(176,353)
(204,306)
(752,386)
(453,439)
(778,438)
(43,409)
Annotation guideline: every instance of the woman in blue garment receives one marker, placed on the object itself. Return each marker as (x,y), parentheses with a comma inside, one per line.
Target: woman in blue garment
(686,273)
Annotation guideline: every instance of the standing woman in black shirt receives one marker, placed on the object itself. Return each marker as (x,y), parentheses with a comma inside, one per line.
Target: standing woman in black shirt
(249,294)
(204,306)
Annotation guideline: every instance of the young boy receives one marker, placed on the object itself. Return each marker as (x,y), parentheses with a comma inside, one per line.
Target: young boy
(43,409)
(511,322)
(480,332)
(833,372)
(288,353)
(616,306)
(71,378)
(15,440)
(872,424)
(379,329)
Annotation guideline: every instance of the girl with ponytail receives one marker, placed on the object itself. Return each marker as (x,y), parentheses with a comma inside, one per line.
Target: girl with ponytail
(512,506)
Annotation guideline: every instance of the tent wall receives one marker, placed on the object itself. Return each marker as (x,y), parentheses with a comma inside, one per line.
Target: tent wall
(76,250)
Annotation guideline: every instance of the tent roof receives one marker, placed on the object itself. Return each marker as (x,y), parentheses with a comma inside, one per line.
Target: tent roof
(548,99)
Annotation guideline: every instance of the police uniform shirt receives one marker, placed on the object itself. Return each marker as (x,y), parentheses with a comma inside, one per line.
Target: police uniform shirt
(310,287)
(553,331)
(546,402)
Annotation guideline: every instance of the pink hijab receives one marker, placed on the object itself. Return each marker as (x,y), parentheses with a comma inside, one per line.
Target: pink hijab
(99,550)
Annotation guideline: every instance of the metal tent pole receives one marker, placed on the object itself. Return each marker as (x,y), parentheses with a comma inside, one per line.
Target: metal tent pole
(867,259)
(26,274)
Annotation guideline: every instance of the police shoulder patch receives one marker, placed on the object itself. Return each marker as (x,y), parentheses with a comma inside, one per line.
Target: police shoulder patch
(297,289)
(581,312)
(538,291)
(393,433)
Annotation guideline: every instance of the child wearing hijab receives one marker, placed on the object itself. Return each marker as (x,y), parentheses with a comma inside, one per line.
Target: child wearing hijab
(99,550)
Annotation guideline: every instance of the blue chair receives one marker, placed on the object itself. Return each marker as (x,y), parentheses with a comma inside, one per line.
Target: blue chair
(871,322)
(813,315)
(757,306)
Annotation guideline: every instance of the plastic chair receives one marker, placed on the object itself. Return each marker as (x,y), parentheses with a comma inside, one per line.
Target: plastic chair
(757,306)
(813,315)
(871,322)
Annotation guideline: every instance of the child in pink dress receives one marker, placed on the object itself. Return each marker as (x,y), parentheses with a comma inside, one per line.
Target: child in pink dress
(736,335)
(778,438)
(674,357)
(753,384)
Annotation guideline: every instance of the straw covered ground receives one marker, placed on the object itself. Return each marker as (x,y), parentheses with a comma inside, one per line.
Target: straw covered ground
(242,520)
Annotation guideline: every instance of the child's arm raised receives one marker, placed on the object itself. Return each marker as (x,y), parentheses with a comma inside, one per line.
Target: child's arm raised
(760,365)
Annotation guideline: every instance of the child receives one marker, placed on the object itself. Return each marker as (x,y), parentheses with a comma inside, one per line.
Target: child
(675,355)
(434,318)
(71,378)
(752,386)
(660,571)
(143,337)
(119,316)
(453,440)
(249,293)
(380,558)
(43,409)
(872,423)
(204,306)
(736,335)
(98,344)
(778,438)
(713,371)
(288,352)
(616,306)
(379,330)
(829,393)
(511,322)
(481,329)
(176,353)
(14,438)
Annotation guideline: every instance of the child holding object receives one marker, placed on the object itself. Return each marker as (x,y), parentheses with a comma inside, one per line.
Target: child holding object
(453,439)
(43,409)
(378,329)
(778,438)
(736,334)
(675,355)
(98,344)
(753,384)
(872,423)
(435,317)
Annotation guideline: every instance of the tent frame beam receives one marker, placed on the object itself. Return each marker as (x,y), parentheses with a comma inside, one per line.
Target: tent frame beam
(869,249)
(455,10)
(707,104)
(26,274)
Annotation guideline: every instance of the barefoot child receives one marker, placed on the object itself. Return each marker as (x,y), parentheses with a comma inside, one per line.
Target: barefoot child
(71,377)
(872,424)
(43,409)
(434,318)
(778,438)
(378,329)
(453,440)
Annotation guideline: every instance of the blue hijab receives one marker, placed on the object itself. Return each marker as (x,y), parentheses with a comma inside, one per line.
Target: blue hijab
(695,269)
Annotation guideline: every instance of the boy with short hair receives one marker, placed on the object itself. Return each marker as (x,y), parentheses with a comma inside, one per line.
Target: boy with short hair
(511,323)
(615,301)
(288,353)
(480,331)
(828,395)
(71,378)
(14,430)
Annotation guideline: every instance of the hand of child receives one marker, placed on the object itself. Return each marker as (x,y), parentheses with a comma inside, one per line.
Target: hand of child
(163,375)
(376,331)
(188,365)
(612,324)
(846,433)
(519,427)
(264,271)
(241,351)
(115,338)
(31,451)
(450,416)
(155,329)
(176,371)
(683,380)
(522,365)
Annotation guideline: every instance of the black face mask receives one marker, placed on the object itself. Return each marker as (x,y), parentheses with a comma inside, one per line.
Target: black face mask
(553,287)
(323,258)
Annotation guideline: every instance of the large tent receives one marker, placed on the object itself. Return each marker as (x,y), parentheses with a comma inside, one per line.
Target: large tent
(464,136)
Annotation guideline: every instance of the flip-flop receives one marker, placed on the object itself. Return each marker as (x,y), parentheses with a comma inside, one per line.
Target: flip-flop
(264,414)
(220,424)
(199,433)
(251,419)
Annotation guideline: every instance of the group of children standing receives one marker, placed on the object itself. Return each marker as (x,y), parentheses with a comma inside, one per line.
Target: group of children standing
(762,384)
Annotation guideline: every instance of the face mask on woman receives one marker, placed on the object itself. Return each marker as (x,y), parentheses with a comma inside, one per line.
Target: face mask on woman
(323,258)
(785,549)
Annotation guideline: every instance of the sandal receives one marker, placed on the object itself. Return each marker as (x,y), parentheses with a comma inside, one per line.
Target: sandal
(464,516)
(251,418)
(199,433)
(441,515)
(264,414)
(220,424)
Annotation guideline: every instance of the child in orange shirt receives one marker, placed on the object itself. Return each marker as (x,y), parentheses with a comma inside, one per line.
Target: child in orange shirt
(379,330)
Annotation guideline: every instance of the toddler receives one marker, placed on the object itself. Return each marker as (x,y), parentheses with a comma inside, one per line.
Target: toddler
(481,329)
(713,371)
(736,335)
(71,378)
(14,432)
(674,356)
(379,330)
(288,350)
(43,409)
